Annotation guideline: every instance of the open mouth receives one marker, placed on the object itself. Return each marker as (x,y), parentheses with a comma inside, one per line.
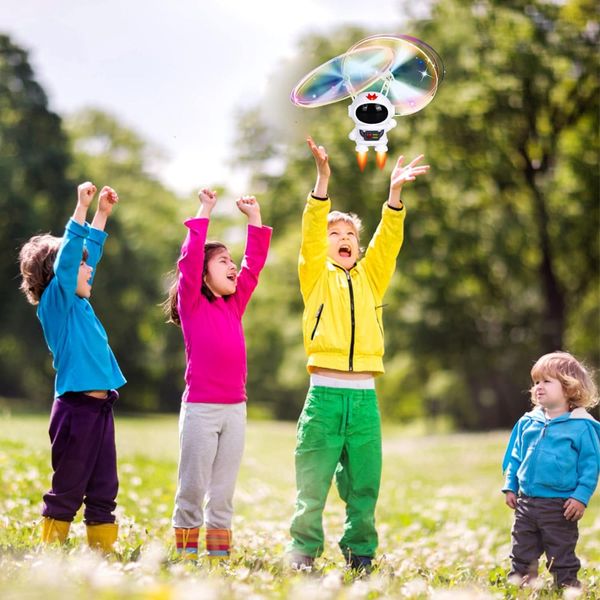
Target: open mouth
(232,277)
(345,251)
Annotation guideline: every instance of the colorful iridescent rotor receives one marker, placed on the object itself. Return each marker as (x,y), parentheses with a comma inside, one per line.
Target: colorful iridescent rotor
(342,77)
(412,79)
(386,76)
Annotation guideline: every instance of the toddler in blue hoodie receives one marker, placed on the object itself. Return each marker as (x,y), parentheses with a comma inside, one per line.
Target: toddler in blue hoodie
(551,466)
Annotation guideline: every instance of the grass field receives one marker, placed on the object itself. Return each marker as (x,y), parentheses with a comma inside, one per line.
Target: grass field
(444,529)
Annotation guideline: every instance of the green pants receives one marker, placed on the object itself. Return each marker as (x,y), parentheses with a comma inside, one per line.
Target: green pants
(339,432)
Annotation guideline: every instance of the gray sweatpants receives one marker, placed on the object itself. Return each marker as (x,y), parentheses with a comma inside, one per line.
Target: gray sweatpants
(540,526)
(211,444)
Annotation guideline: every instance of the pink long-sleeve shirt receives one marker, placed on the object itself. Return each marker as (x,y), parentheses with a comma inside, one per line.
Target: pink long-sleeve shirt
(215,348)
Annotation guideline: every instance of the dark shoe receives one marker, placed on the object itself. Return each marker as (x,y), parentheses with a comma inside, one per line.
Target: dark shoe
(569,583)
(301,562)
(361,564)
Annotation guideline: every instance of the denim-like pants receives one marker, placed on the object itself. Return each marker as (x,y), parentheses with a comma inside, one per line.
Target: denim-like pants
(84,458)
(339,433)
(540,526)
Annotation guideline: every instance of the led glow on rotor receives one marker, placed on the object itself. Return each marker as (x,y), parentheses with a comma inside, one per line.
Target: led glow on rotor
(414,75)
(342,77)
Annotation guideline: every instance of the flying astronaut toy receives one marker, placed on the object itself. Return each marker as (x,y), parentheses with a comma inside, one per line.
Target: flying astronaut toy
(386,76)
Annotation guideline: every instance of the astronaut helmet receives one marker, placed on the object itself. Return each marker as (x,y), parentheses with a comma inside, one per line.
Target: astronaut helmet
(371,108)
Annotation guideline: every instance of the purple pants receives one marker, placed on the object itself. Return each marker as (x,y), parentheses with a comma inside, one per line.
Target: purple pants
(84,458)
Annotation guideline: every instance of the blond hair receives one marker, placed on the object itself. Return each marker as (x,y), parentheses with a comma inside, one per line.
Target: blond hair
(576,380)
(335,216)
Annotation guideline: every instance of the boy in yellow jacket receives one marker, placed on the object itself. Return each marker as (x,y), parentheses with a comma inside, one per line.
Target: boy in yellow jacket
(339,430)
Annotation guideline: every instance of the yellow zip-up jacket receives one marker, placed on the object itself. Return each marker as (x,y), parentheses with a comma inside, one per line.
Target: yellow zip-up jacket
(342,322)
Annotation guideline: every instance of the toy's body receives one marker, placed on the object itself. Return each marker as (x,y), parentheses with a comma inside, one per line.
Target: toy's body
(373,114)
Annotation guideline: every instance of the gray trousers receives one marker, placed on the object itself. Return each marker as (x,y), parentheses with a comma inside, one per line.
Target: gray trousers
(540,526)
(211,444)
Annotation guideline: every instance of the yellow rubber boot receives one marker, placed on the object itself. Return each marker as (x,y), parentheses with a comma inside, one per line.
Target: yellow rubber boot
(102,536)
(186,542)
(54,531)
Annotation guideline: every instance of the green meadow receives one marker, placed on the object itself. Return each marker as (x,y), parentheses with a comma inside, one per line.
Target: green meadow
(444,528)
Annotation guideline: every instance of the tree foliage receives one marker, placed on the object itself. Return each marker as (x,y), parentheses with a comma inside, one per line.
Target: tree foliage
(501,257)
(33,187)
(500,262)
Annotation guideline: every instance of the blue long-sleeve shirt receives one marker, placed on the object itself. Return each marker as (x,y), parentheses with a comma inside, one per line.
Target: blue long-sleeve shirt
(554,458)
(83,360)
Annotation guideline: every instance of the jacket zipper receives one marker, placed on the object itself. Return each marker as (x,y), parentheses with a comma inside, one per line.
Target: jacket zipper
(351,292)
(352,322)
(318,317)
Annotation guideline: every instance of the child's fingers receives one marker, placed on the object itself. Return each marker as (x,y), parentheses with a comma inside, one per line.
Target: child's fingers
(319,152)
(205,193)
(415,160)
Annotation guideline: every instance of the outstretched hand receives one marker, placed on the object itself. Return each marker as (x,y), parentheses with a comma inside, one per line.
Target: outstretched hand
(401,174)
(321,158)
(107,200)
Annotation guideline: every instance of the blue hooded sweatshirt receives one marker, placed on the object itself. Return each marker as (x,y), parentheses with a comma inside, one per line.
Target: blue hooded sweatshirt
(553,458)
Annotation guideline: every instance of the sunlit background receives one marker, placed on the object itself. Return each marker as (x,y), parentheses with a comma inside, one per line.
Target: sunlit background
(178,72)
(500,264)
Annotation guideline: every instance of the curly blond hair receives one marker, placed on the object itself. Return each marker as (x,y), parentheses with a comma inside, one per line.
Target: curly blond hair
(576,379)
(335,216)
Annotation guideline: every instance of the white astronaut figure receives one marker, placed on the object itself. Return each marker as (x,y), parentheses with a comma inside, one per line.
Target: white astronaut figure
(373,114)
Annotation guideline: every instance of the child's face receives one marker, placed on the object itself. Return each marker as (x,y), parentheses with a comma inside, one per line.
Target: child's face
(343,244)
(84,287)
(221,275)
(549,393)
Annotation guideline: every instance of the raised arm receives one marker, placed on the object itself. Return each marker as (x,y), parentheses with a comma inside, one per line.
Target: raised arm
(323,169)
(313,244)
(107,200)
(255,255)
(191,260)
(380,258)
(70,254)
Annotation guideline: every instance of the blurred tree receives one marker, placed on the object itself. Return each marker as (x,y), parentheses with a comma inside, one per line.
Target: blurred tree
(34,193)
(501,258)
(145,231)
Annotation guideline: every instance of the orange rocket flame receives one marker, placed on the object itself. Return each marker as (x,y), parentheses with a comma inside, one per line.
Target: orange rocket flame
(361,159)
(380,159)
